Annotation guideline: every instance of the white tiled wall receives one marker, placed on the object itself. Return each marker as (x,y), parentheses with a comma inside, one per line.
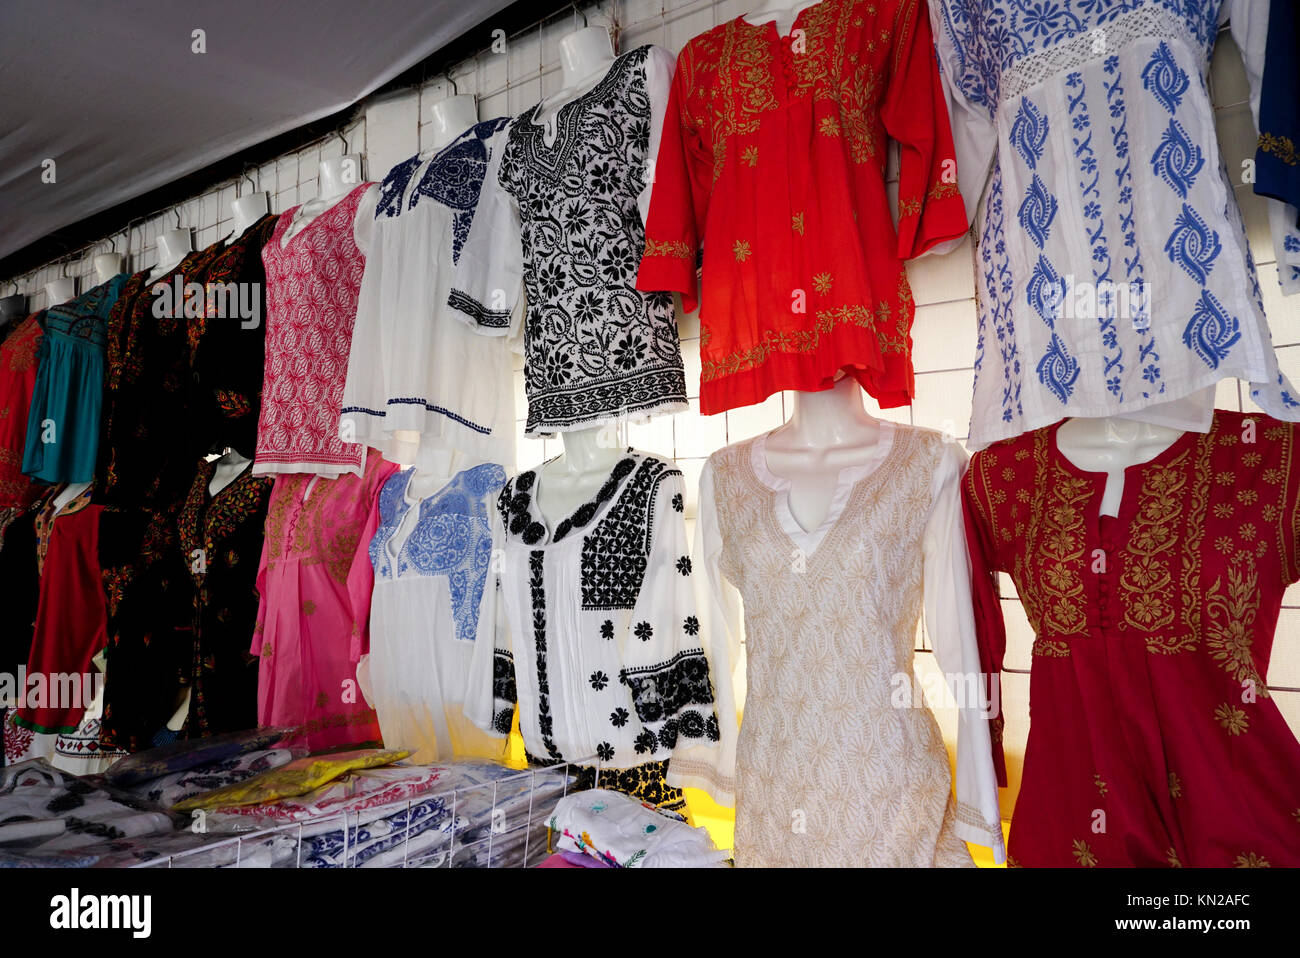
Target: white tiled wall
(944,333)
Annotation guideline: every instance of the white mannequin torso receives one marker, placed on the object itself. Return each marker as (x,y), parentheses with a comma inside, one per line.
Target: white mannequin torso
(569,480)
(783,14)
(59,291)
(247,210)
(173,245)
(585,57)
(829,431)
(226,470)
(451,117)
(108,265)
(1110,446)
(67,494)
(339,175)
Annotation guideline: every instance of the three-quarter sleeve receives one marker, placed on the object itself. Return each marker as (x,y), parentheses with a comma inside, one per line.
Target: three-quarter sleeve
(679,199)
(665,668)
(718,610)
(915,113)
(974,135)
(950,621)
(658,80)
(986,605)
(490,692)
(488,279)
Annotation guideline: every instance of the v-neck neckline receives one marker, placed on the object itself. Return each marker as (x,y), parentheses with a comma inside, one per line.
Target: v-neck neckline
(809,541)
(284,244)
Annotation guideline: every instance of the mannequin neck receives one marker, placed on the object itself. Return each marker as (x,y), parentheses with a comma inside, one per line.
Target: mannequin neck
(338,176)
(108,265)
(59,291)
(585,54)
(588,451)
(782,13)
(68,493)
(247,210)
(226,470)
(830,417)
(173,245)
(452,117)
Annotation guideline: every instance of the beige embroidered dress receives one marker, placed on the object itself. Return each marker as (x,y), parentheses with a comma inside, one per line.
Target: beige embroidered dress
(839,760)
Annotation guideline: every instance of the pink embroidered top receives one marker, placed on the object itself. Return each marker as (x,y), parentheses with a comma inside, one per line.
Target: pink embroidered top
(312,284)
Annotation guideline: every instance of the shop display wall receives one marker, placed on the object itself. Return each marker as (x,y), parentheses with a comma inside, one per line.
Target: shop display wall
(944,333)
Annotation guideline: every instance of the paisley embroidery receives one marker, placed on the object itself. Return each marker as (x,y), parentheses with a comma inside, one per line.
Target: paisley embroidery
(1057,370)
(1193,245)
(1164,78)
(1177,159)
(1211,332)
(1029,132)
(1046,291)
(1037,211)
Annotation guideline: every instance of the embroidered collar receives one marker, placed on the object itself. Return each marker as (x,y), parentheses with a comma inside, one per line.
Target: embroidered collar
(523,518)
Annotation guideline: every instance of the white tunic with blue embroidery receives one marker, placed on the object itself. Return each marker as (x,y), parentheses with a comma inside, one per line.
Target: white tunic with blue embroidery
(1113,271)
(431,558)
(418,381)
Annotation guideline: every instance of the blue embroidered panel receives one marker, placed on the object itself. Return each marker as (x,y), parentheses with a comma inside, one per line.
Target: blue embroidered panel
(451,537)
(453,178)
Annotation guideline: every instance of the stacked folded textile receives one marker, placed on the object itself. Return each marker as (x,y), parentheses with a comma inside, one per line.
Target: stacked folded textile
(624,832)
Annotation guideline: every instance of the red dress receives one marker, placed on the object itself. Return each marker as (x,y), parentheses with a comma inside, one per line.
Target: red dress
(1154,740)
(773,161)
(17,379)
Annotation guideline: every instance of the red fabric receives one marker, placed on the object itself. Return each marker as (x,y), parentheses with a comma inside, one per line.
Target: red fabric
(17,380)
(773,161)
(71,617)
(312,284)
(1153,738)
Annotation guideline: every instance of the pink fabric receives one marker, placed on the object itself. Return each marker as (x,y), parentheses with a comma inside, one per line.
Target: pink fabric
(557,861)
(315,605)
(312,283)
(355,792)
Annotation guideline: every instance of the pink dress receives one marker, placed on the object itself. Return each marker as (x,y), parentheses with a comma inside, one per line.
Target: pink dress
(314,581)
(312,283)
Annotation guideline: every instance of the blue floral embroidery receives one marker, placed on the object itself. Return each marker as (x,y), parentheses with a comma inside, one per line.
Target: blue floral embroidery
(1084,152)
(451,537)
(1177,159)
(453,178)
(1164,78)
(1037,212)
(1029,132)
(1193,245)
(1211,332)
(999,283)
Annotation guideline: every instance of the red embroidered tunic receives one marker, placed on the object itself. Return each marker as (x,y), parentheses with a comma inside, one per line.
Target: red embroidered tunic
(18,364)
(773,161)
(1154,740)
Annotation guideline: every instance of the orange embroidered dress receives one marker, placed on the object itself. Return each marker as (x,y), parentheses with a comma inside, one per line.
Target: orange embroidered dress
(773,161)
(1154,739)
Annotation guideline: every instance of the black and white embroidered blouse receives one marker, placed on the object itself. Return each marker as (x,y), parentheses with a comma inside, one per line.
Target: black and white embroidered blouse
(564,209)
(592,626)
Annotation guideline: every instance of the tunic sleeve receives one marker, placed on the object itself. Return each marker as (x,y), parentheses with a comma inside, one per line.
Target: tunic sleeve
(930,207)
(658,81)
(664,664)
(488,278)
(990,630)
(361,574)
(950,622)
(718,610)
(490,690)
(974,134)
(679,199)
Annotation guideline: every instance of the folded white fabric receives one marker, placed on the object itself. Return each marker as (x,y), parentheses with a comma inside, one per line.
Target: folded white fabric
(622,831)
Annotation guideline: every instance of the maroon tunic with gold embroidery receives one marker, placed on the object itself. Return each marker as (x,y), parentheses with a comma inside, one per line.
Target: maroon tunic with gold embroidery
(1153,737)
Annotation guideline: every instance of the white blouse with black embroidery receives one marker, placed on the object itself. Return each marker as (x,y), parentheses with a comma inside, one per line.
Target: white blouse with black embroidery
(593,625)
(563,210)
